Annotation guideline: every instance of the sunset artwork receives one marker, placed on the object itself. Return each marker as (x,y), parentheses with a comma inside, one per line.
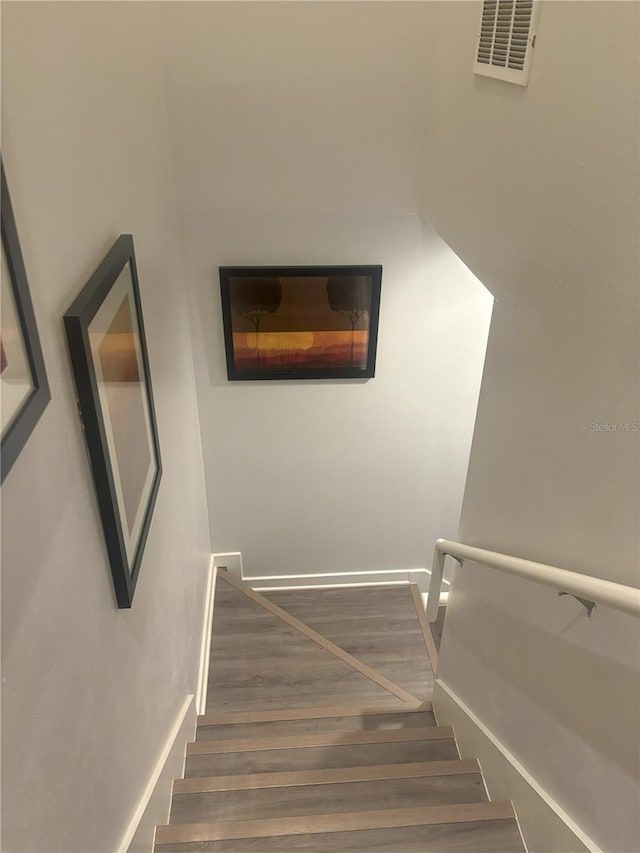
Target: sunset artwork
(300,322)
(105,333)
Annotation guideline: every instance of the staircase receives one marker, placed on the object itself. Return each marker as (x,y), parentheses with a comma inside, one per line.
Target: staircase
(329,779)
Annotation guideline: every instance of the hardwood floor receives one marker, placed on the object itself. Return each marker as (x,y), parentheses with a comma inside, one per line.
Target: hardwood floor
(319,735)
(378,625)
(259,661)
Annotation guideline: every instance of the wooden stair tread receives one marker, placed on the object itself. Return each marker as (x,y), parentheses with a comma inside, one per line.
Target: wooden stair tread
(315,758)
(271,715)
(380,720)
(318,739)
(201,784)
(330,823)
(309,799)
(380,775)
(488,836)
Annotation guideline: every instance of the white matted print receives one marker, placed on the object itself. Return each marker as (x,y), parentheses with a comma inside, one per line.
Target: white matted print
(114,339)
(105,331)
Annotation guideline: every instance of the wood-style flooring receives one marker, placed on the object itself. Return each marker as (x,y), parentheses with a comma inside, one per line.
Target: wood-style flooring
(378,625)
(319,735)
(258,661)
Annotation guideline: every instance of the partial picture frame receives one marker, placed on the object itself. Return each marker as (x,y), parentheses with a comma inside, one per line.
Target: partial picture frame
(314,322)
(24,387)
(107,346)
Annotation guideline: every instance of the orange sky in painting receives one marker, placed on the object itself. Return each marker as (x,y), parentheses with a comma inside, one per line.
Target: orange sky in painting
(288,341)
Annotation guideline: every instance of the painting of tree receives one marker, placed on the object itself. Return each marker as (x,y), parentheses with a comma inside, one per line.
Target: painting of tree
(252,298)
(351,297)
(300,322)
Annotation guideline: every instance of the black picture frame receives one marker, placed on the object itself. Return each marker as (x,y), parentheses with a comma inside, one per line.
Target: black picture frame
(107,346)
(301,322)
(22,410)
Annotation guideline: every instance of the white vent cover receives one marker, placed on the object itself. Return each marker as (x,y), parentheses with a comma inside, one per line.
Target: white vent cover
(506,39)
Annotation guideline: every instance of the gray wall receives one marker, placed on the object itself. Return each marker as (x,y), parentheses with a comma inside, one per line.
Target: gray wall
(91,692)
(537,190)
(297,134)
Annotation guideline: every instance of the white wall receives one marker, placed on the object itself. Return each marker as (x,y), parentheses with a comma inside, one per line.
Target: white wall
(296,130)
(91,692)
(537,190)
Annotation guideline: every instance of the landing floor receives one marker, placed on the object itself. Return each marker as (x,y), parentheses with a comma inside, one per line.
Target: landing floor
(260,661)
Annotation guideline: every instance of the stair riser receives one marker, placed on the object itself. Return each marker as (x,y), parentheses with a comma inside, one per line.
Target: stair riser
(327,799)
(373,722)
(269,761)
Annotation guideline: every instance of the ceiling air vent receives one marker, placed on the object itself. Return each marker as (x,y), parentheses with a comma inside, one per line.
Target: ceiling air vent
(506,39)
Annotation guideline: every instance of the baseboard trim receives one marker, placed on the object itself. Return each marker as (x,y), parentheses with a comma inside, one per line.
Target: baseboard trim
(543,822)
(205,645)
(331,580)
(232,562)
(153,807)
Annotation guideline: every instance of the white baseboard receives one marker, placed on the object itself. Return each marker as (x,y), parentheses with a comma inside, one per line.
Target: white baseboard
(205,645)
(155,803)
(545,826)
(232,561)
(331,580)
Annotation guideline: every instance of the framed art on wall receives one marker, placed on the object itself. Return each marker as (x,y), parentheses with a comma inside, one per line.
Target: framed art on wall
(300,322)
(23,378)
(109,357)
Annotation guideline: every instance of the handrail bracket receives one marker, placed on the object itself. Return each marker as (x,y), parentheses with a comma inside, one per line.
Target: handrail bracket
(585,602)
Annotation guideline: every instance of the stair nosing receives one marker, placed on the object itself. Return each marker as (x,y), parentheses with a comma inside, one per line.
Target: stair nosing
(183,833)
(319,739)
(223,718)
(324,776)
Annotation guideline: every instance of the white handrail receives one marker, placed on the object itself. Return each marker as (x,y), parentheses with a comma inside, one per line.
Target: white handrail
(607,593)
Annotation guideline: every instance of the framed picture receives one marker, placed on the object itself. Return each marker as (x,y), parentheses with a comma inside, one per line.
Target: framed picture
(300,322)
(23,378)
(111,367)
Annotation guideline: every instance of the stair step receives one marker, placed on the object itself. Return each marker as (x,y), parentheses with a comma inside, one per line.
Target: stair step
(331,756)
(202,784)
(309,799)
(271,714)
(308,720)
(490,836)
(331,823)
(317,739)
